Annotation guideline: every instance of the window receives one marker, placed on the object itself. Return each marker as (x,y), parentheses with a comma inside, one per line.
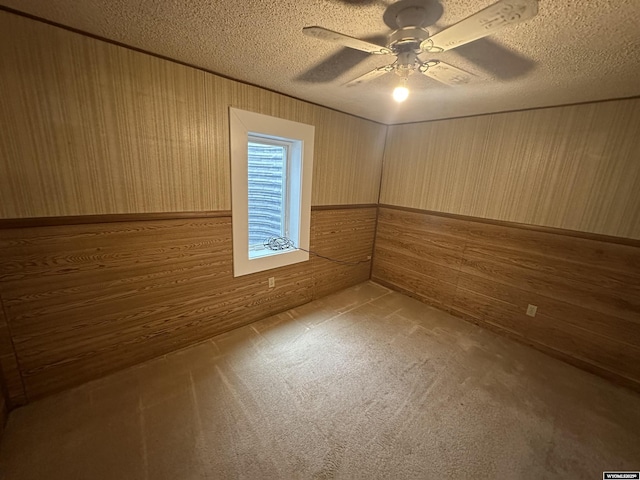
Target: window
(271,166)
(270,192)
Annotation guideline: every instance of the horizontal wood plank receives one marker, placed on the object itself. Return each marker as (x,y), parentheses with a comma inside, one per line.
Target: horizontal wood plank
(12,388)
(536,280)
(345,236)
(615,328)
(439,292)
(86,300)
(577,342)
(105,218)
(587,290)
(523,226)
(593,253)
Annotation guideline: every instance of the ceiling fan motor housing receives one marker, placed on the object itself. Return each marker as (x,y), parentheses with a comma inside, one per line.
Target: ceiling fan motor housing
(410,34)
(407,39)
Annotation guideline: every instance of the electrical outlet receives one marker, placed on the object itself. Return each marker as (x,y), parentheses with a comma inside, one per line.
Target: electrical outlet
(531,310)
(368,257)
(272,282)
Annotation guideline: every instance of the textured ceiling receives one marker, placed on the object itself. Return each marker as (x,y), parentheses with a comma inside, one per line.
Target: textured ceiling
(573,51)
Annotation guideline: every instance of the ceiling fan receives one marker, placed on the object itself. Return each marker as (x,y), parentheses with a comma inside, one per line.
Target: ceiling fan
(411,40)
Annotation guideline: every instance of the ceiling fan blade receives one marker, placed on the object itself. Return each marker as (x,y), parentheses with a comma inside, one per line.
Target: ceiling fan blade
(345,40)
(480,24)
(337,64)
(445,73)
(499,61)
(378,72)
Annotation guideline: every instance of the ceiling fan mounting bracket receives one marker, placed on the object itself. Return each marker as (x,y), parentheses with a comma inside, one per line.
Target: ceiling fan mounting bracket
(411,17)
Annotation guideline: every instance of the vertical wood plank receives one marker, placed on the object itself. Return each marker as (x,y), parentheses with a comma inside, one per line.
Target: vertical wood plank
(95,128)
(574,167)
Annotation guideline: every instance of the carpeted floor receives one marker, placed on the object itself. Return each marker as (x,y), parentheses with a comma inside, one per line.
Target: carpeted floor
(365,383)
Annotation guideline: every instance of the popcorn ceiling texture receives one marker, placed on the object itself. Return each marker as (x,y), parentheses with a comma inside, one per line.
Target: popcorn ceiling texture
(573,51)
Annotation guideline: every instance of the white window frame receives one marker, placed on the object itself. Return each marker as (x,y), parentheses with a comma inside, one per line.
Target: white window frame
(242,125)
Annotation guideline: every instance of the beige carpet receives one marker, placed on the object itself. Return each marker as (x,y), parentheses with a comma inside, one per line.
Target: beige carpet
(362,384)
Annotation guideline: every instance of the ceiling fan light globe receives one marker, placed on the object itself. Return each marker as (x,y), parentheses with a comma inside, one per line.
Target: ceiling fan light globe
(400,94)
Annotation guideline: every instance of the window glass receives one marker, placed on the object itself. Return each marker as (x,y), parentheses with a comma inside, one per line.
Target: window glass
(268,192)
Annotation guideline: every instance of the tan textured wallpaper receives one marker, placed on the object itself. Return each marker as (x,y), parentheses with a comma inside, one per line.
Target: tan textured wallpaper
(575,167)
(92,128)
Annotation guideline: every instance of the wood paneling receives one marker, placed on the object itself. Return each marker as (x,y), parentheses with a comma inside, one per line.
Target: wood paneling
(11,386)
(104,218)
(422,254)
(92,128)
(346,235)
(85,300)
(94,132)
(574,167)
(587,291)
(4,413)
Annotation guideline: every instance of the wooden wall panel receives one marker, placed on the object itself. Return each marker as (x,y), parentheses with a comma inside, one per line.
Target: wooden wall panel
(574,167)
(11,387)
(420,254)
(93,128)
(587,291)
(346,235)
(85,300)
(4,414)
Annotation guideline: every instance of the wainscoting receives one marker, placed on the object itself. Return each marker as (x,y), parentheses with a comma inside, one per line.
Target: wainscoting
(83,300)
(345,234)
(586,287)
